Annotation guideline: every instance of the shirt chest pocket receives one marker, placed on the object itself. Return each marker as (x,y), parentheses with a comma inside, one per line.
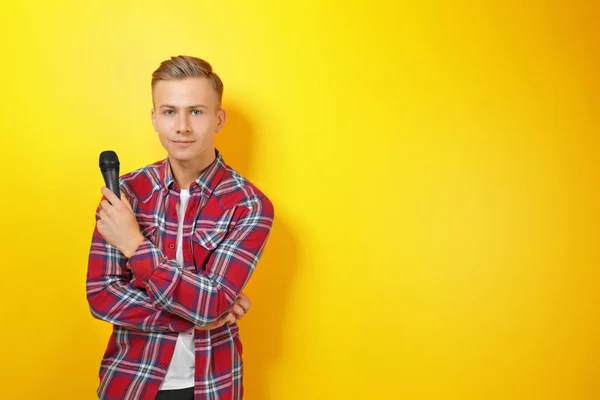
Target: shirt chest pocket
(206,238)
(209,238)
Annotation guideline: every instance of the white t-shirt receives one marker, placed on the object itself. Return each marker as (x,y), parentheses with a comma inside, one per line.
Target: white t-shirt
(180,374)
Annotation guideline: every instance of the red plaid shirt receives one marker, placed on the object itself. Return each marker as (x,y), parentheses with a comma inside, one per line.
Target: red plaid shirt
(149,299)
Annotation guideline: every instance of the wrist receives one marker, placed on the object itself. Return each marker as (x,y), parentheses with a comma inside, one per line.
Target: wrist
(133,245)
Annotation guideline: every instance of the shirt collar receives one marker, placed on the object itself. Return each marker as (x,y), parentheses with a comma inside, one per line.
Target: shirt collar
(206,182)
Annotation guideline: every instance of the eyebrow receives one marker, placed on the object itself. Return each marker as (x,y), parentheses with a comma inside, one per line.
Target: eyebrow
(194,106)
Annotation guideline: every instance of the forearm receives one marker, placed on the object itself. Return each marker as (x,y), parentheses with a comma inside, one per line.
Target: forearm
(195,298)
(203,298)
(113,299)
(120,304)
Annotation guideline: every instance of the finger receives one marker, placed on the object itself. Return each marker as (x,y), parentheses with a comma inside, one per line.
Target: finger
(105,205)
(216,324)
(244,302)
(125,201)
(230,318)
(213,325)
(238,310)
(110,196)
(100,226)
(102,215)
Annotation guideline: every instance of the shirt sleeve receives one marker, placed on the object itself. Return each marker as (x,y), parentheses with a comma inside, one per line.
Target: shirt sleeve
(112,297)
(202,298)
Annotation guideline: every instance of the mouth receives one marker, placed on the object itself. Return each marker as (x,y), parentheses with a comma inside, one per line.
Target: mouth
(182,142)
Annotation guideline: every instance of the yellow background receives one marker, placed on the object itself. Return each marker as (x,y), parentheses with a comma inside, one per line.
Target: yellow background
(434,168)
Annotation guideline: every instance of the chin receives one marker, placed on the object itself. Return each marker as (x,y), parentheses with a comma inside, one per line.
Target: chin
(181,157)
(184,154)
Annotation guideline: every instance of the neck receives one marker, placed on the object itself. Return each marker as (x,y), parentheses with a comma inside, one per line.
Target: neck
(186,172)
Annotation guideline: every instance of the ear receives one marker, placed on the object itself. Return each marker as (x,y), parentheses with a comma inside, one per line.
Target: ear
(153,117)
(221,117)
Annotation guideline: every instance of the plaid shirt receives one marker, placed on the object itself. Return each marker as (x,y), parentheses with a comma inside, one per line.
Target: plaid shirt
(149,299)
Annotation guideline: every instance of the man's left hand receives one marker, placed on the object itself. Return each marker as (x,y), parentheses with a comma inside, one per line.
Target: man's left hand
(236,311)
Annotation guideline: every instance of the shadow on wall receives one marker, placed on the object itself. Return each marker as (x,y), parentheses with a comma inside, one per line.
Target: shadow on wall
(262,329)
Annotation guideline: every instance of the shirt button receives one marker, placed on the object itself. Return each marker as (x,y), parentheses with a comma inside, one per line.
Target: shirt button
(171,246)
(209,245)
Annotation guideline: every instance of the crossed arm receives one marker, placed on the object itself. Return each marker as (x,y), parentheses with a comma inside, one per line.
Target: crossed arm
(172,299)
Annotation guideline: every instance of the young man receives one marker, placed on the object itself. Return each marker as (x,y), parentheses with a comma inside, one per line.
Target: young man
(168,261)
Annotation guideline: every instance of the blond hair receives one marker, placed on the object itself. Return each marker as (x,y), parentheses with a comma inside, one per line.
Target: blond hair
(181,67)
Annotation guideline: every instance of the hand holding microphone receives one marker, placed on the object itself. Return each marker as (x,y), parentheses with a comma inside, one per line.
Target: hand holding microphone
(117,223)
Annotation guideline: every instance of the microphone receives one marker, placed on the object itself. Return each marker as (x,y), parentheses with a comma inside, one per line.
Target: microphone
(109,166)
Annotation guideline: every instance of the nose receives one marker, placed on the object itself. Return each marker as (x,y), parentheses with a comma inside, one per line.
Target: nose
(183,125)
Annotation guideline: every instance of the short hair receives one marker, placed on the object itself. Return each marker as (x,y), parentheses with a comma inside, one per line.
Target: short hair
(181,67)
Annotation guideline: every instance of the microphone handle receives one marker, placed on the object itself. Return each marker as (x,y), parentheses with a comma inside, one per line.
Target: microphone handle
(111,179)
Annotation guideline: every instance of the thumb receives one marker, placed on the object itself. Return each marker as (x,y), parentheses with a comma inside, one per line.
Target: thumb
(228,318)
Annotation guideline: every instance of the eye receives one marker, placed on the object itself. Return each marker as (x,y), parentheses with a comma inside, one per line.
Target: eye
(196,112)
(168,112)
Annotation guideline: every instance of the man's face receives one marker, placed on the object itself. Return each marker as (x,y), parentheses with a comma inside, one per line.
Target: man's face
(186,115)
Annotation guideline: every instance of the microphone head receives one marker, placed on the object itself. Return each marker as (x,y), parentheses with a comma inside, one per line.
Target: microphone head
(109,160)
